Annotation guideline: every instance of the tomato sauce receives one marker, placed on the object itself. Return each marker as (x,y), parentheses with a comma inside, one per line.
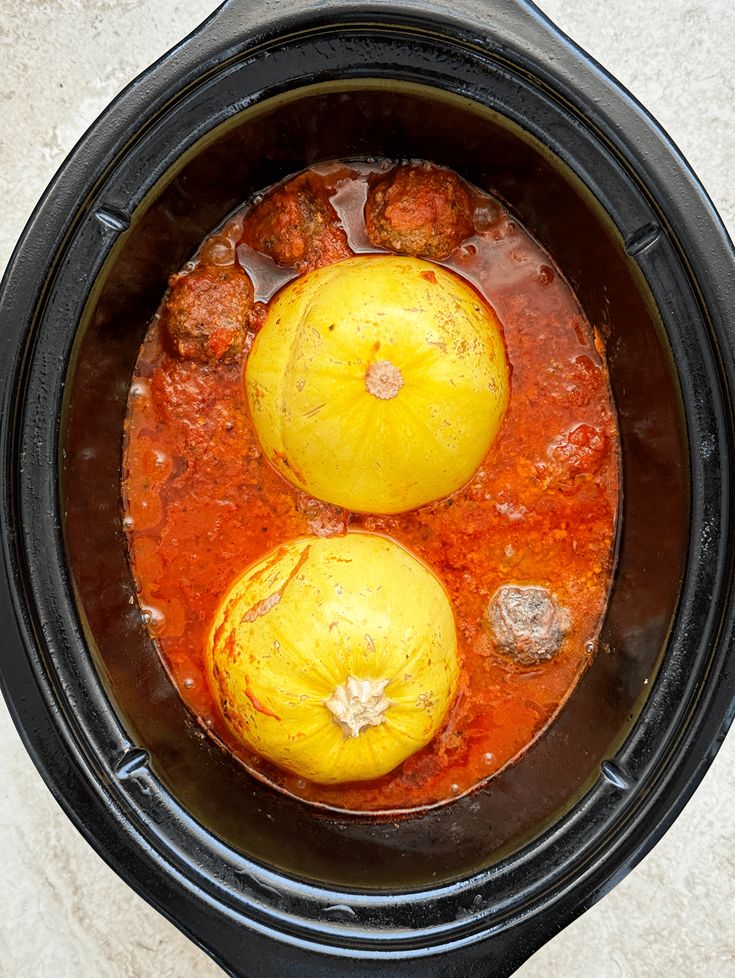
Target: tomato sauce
(202,503)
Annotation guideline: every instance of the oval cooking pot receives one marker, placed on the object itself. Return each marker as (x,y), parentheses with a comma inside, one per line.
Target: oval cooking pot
(269,886)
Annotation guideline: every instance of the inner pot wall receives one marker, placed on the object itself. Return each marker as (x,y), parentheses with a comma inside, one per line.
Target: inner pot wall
(250,151)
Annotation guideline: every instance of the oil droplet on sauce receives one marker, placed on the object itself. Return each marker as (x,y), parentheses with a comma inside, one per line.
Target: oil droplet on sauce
(153,617)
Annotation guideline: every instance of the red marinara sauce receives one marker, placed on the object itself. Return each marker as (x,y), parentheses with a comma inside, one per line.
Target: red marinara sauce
(202,503)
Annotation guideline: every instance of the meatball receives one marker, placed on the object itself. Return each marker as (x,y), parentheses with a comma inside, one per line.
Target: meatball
(325,520)
(421,210)
(527,623)
(207,312)
(584,450)
(297,226)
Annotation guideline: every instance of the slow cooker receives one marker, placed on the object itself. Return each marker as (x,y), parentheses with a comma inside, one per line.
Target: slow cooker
(265,884)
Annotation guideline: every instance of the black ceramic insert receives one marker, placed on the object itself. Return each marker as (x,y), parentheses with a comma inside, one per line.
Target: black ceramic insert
(268,885)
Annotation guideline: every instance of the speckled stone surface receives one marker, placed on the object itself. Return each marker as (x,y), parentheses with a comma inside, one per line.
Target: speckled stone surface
(63,913)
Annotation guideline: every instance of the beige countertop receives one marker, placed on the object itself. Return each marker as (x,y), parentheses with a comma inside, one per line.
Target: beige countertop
(63,913)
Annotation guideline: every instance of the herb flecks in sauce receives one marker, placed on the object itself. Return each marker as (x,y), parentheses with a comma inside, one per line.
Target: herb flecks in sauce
(202,502)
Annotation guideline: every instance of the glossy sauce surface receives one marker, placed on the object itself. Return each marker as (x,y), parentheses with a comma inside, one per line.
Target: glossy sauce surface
(201,503)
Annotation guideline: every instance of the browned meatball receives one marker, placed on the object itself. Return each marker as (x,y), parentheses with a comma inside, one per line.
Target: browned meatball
(207,312)
(527,623)
(419,210)
(296,225)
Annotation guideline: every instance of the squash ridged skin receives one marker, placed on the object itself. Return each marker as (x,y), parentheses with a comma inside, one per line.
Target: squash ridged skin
(315,417)
(307,616)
